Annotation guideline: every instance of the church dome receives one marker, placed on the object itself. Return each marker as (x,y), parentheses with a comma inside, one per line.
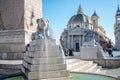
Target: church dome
(79,17)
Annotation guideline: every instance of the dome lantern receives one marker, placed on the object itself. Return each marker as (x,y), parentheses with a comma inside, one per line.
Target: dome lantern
(80,11)
(94,14)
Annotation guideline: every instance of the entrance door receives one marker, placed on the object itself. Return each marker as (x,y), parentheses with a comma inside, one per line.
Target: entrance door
(77,47)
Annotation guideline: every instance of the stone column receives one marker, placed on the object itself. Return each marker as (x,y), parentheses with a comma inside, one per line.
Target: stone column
(68,41)
(72,41)
(80,39)
(83,38)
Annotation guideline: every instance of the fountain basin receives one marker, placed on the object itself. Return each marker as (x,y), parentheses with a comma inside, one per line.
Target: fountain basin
(89,76)
(76,76)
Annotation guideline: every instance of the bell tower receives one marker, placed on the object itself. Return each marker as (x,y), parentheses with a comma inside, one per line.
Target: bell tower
(117,29)
(94,19)
(117,16)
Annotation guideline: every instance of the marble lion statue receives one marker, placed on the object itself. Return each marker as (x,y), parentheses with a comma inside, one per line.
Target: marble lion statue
(42,29)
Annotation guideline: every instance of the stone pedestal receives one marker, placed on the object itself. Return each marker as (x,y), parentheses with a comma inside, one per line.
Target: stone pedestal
(12,44)
(88,53)
(91,50)
(44,61)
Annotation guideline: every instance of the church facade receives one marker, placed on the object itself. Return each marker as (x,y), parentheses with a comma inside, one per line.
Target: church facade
(82,28)
(117,29)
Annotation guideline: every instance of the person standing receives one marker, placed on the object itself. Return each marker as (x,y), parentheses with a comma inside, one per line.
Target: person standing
(110,48)
(71,52)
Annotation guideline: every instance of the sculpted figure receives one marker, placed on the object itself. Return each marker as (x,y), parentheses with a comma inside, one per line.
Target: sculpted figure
(42,29)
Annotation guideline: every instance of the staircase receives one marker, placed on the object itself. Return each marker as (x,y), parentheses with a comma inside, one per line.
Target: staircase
(44,61)
(77,65)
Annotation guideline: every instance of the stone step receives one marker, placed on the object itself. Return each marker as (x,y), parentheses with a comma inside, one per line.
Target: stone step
(72,61)
(11,55)
(62,78)
(48,45)
(36,48)
(99,70)
(10,66)
(94,69)
(23,69)
(7,71)
(83,67)
(78,65)
(36,42)
(87,67)
(73,66)
(12,62)
(46,75)
(42,48)
(42,68)
(43,54)
(39,41)
(53,60)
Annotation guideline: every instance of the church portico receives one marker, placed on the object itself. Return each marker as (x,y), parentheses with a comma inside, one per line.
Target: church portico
(75,42)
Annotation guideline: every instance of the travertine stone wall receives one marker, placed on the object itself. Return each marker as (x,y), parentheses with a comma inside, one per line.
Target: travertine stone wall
(17,23)
(20,14)
(33,11)
(12,13)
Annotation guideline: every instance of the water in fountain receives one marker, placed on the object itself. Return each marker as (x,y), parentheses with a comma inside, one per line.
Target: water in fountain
(50,47)
(46,49)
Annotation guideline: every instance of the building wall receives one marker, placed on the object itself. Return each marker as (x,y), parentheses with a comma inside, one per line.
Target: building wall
(33,11)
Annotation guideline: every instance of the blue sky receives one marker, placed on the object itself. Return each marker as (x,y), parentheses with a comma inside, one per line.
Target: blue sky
(58,12)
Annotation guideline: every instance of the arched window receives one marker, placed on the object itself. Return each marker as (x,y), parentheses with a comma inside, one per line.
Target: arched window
(69,26)
(78,26)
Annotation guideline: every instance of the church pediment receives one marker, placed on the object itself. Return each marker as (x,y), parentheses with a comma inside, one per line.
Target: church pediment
(76,30)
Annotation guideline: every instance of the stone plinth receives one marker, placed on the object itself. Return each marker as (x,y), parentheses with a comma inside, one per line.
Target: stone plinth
(12,41)
(88,53)
(44,61)
(91,50)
